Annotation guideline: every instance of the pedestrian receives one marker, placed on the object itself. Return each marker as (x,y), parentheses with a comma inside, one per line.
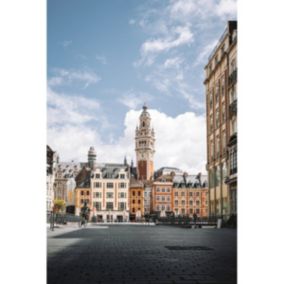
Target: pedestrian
(194,219)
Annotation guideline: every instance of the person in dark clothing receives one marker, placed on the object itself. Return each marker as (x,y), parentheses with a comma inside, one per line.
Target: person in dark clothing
(194,219)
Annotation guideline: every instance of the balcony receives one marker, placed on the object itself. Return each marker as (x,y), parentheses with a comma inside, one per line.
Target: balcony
(233,108)
(233,77)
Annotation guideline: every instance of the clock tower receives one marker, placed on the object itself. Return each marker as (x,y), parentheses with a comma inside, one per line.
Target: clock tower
(145,146)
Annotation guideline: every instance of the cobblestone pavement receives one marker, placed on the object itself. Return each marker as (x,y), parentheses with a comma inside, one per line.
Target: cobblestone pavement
(141,254)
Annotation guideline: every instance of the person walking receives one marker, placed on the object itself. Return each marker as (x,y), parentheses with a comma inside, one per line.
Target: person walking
(194,219)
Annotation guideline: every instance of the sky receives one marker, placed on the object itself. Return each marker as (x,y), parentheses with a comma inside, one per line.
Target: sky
(106,58)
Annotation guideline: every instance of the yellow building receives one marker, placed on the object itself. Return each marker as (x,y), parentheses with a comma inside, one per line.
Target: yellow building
(83,192)
(217,84)
(136,199)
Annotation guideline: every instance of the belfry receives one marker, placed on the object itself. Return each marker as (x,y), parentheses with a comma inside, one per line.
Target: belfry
(145,146)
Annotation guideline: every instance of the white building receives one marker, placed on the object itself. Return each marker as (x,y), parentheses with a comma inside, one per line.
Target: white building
(110,188)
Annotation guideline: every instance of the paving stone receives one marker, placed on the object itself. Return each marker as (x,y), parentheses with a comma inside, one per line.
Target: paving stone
(128,254)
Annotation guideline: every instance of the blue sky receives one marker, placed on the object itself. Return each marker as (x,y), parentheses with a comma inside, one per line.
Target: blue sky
(106,58)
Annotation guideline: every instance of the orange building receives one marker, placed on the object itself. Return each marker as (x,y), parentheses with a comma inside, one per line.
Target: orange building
(162,202)
(83,192)
(190,196)
(136,199)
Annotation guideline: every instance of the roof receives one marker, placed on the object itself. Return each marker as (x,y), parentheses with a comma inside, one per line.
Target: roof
(68,169)
(190,181)
(111,171)
(135,183)
(83,178)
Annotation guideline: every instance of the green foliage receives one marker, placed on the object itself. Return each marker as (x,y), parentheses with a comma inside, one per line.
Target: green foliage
(59,205)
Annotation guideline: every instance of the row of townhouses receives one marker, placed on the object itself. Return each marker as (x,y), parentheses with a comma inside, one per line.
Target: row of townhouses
(122,192)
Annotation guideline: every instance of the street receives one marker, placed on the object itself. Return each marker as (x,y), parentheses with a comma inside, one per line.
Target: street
(141,254)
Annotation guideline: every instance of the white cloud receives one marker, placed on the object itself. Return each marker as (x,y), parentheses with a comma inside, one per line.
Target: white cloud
(66,43)
(133,99)
(205,52)
(180,35)
(64,76)
(227,8)
(102,59)
(180,141)
(66,109)
(132,22)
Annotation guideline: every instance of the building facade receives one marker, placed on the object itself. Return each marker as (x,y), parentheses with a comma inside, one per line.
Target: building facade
(110,192)
(145,146)
(216,82)
(65,183)
(162,203)
(190,196)
(232,143)
(136,200)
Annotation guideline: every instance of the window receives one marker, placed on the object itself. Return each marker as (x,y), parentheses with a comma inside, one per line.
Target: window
(168,198)
(97,194)
(157,197)
(158,207)
(217,95)
(211,100)
(176,202)
(223,113)
(122,194)
(121,206)
(133,210)
(183,202)
(197,193)
(212,150)
(163,198)
(109,185)
(191,202)
(109,205)
(139,193)
(190,194)
(98,205)
(197,202)
(182,193)
(133,193)
(158,189)
(211,123)
(176,193)
(97,184)
(122,185)
(183,211)
(133,201)
(82,201)
(88,193)
(190,211)
(218,146)
(98,176)
(122,176)
(109,195)
(163,207)
(139,201)
(163,190)
(82,192)
(168,207)
(217,118)
(224,141)
(197,211)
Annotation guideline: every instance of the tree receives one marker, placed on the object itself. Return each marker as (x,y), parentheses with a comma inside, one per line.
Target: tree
(59,205)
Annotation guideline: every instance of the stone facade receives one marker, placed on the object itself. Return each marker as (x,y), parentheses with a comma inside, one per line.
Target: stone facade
(218,81)
(110,192)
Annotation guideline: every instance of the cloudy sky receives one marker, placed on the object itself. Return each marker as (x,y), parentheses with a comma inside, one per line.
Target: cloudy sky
(106,58)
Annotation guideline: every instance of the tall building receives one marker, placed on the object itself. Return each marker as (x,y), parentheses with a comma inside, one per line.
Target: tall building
(219,75)
(145,146)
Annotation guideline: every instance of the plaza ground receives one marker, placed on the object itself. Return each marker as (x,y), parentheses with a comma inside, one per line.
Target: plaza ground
(141,254)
